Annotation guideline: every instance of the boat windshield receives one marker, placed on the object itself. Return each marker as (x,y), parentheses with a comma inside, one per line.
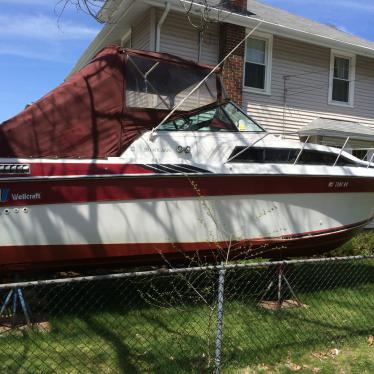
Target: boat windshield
(224,117)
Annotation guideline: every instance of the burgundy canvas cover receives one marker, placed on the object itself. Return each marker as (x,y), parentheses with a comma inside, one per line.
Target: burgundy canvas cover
(85,117)
(80,118)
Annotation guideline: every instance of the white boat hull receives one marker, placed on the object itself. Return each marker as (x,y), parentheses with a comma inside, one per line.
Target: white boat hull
(152,227)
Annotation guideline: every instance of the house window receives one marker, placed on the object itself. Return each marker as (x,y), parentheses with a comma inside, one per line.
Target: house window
(342,75)
(257,72)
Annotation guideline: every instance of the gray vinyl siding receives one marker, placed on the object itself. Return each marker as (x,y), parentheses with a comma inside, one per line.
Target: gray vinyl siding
(178,37)
(307,86)
(306,65)
(141,32)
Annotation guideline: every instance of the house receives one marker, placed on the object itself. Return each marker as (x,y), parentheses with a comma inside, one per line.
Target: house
(290,72)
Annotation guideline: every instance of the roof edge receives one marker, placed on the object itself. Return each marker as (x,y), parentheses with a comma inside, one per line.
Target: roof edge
(220,15)
(267,26)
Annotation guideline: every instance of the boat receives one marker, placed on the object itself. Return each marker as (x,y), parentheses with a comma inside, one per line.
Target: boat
(103,172)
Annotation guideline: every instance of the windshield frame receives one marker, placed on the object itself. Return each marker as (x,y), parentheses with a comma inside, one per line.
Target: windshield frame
(207,108)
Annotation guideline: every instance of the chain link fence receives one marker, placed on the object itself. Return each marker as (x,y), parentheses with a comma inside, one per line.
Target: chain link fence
(185,320)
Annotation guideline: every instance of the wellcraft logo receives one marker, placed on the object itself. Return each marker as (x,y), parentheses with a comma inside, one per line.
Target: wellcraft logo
(4,193)
(26,196)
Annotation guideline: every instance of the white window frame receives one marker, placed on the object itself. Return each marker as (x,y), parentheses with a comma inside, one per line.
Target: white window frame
(352,76)
(126,38)
(268,38)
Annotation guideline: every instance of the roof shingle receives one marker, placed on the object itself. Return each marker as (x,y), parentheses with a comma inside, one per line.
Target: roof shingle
(292,21)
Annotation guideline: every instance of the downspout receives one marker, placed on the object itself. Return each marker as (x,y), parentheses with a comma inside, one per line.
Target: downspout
(159,25)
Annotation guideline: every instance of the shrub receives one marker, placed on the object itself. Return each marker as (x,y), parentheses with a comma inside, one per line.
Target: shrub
(362,244)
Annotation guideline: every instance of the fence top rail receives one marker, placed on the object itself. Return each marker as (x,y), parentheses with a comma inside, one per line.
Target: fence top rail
(163,271)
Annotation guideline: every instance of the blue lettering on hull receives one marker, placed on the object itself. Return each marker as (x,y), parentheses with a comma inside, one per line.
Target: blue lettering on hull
(4,193)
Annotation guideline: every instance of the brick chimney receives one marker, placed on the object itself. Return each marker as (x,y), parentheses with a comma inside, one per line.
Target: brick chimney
(239,4)
(233,68)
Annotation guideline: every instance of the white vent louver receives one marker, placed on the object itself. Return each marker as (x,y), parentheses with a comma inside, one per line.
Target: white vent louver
(14,169)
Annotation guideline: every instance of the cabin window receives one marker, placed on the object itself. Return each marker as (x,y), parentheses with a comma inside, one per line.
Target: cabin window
(287,156)
(360,154)
(257,72)
(342,75)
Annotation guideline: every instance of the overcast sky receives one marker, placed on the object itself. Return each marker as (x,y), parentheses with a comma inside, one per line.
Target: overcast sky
(37,49)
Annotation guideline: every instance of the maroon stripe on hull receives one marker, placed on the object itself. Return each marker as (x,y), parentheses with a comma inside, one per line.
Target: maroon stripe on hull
(58,257)
(59,191)
(50,169)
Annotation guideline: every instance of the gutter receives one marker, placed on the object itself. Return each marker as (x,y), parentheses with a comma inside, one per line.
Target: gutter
(107,10)
(250,21)
(159,25)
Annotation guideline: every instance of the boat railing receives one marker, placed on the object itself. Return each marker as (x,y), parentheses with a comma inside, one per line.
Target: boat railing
(369,161)
(301,149)
(341,151)
(371,158)
(258,140)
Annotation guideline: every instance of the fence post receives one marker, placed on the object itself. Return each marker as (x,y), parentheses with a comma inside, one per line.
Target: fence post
(221,289)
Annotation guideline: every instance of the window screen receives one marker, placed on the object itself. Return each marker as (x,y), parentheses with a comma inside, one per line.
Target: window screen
(255,65)
(340,89)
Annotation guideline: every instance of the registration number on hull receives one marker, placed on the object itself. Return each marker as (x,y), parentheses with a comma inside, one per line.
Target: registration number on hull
(335,184)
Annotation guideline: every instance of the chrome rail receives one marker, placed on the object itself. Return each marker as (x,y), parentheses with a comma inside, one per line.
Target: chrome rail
(258,140)
(371,159)
(301,150)
(341,151)
(303,147)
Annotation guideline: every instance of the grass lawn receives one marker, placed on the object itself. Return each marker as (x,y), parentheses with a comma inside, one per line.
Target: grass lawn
(167,325)
(351,358)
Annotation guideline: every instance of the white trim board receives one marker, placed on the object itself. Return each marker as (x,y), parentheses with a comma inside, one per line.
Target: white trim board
(268,38)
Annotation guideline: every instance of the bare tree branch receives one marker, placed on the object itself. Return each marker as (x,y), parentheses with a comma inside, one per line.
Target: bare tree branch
(200,22)
(90,7)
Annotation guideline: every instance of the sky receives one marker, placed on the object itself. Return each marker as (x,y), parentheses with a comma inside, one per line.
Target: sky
(353,16)
(38,48)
